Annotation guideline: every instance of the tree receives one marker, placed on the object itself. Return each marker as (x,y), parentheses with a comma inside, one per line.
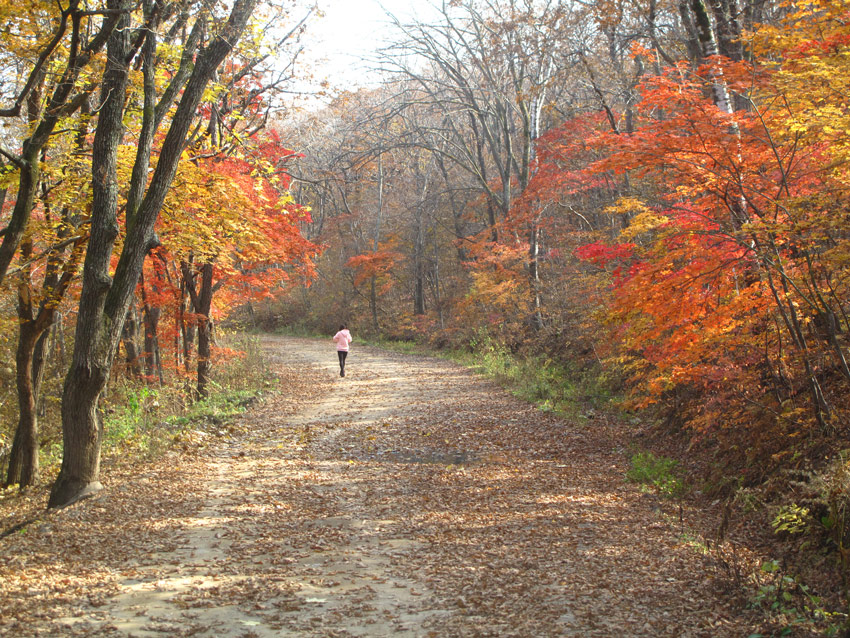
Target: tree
(237,234)
(56,235)
(498,64)
(104,300)
(735,294)
(74,34)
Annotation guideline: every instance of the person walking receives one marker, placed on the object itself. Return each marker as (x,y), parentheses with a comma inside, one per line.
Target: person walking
(343,340)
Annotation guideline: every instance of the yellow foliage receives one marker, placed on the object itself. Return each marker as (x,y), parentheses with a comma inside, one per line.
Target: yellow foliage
(642,223)
(626,206)
(813,78)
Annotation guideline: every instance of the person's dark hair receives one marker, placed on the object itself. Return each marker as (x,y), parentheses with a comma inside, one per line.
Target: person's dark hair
(342,326)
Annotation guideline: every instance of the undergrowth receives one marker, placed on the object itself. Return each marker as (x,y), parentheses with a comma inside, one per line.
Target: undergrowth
(659,472)
(143,419)
(550,384)
(790,607)
(301,331)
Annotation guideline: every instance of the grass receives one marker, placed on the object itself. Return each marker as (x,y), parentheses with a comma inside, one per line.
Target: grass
(142,420)
(405,347)
(551,385)
(144,427)
(147,420)
(217,409)
(301,331)
(659,472)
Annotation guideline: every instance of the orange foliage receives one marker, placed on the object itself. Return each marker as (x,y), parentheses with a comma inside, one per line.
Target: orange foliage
(376,264)
(733,287)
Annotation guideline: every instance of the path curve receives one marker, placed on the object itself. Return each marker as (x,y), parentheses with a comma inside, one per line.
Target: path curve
(410,498)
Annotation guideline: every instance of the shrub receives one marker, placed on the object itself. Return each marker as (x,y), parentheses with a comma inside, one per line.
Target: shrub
(658,471)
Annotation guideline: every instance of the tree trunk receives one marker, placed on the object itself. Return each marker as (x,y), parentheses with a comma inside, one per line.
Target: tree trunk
(373,306)
(708,44)
(38,369)
(418,266)
(23,459)
(202,306)
(104,301)
(419,293)
(29,359)
(728,28)
(373,289)
(150,316)
(128,337)
(691,36)
(90,364)
(534,275)
(458,209)
(186,328)
(204,330)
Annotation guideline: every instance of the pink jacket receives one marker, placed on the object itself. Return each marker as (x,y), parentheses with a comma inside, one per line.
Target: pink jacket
(342,340)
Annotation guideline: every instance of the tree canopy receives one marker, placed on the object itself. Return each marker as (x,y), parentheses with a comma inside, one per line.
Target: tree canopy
(653,194)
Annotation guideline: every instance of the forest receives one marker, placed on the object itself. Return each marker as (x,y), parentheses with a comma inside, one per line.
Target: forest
(629,207)
(640,200)
(648,192)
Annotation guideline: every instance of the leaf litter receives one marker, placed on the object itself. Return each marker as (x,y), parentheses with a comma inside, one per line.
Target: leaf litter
(410,498)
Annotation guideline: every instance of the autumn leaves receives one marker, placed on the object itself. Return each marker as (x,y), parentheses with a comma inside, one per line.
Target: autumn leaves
(141,186)
(729,284)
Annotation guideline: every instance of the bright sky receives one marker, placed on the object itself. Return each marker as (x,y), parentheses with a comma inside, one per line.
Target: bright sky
(350,31)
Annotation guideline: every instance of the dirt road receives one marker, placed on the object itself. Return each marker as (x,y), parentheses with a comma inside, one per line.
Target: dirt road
(410,498)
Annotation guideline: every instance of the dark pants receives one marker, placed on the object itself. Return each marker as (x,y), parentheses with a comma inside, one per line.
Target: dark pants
(342,355)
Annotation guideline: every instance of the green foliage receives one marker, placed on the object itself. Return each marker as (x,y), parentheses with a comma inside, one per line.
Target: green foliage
(748,499)
(552,385)
(299,330)
(791,519)
(833,487)
(50,455)
(403,346)
(215,410)
(820,512)
(791,606)
(139,420)
(130,420)
(144,427)
(656,471)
